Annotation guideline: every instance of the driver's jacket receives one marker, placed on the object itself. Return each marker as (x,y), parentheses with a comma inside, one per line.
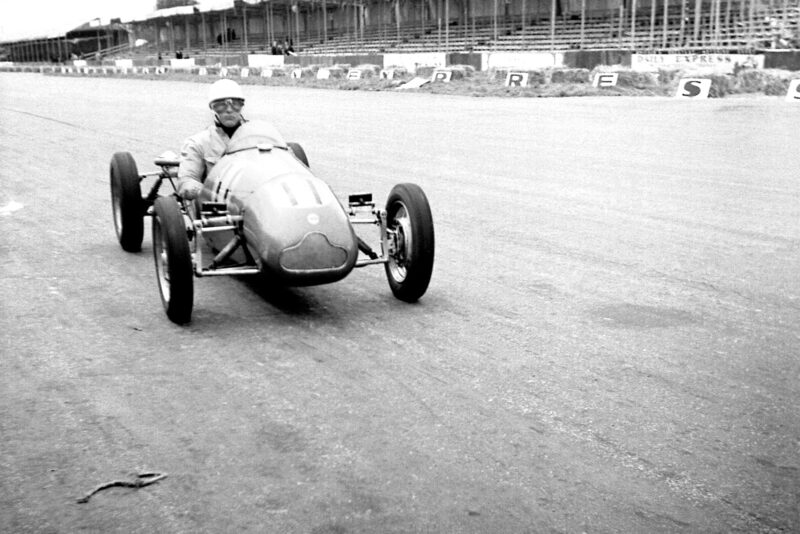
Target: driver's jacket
(200,153)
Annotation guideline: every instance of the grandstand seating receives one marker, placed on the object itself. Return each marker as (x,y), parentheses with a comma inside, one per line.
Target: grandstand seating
(732,29)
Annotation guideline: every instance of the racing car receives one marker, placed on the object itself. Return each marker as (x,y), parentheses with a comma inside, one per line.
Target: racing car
(262,211)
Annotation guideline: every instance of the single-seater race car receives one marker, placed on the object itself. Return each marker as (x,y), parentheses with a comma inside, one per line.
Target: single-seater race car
(263,212)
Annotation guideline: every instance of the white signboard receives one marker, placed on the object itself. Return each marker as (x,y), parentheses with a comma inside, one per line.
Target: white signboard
(297,73)
(387,74)
(266,73)
(793,94)
(605,79)
(203,71)
(416,83)
(264,60)
(524,60)
(245,72)
(517,79)
(354,74)
(413,61)
(223,72)
(717,62)
(693,88)
(123,63)
(182,64)
(79,63)
(323,74)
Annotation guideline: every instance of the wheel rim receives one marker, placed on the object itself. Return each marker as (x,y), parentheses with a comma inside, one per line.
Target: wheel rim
(116,207)
(162,263)
(400,257)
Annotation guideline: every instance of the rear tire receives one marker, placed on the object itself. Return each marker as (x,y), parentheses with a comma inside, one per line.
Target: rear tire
(126,202)
(299,153)
(410,266)
(173,260)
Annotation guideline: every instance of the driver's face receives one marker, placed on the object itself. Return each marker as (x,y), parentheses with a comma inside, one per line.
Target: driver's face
(229,118)
(228,111)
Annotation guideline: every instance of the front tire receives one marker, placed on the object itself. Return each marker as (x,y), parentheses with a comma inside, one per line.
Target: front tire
(126,202)
(299,153)
(409,219)
(173,260)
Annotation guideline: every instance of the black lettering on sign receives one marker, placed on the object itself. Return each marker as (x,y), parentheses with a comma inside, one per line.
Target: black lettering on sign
(691,88)
(515,78)
(793,95)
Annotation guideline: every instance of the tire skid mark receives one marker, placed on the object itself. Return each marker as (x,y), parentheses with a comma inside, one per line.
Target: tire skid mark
(76,126)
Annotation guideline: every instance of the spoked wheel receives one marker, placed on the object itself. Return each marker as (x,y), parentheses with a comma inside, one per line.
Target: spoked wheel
(126,202)
(173,260)
(410,225)
(299,152)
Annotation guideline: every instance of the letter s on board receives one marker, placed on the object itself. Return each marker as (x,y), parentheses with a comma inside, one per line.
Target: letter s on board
(691,88)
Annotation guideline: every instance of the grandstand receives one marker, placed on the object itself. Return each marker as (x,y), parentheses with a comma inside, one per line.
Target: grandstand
(220,29)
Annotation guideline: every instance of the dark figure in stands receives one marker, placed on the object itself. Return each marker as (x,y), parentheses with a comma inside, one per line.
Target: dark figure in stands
(274,48)
(219,39)
(179,54)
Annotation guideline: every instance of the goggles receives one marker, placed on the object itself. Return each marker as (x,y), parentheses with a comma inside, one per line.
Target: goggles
(236,104)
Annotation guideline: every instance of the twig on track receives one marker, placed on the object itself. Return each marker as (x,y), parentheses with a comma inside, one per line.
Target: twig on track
(142,480)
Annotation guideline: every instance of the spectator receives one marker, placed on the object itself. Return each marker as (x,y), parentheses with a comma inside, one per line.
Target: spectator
(179,54)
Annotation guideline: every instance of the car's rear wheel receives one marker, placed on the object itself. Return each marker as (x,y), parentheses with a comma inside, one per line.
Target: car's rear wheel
(126,202)
(299,152)
(410,226)
(173,260)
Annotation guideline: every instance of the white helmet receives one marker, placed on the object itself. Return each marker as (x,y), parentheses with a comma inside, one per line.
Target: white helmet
(223,89)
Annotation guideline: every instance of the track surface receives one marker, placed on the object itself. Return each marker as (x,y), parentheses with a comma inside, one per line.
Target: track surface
(610,341)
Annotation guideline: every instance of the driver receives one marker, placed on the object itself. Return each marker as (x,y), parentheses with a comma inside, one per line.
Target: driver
(202,150)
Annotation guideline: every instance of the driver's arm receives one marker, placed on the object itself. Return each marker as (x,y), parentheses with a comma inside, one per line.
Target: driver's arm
(191,170)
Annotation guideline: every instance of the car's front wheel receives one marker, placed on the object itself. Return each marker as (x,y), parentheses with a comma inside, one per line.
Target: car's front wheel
(173,260)
(126,202)
(410,226)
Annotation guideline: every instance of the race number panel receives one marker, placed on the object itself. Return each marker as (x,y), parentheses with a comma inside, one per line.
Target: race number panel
(387,74)
(517,79)
(793,94)
(297,73)
(693,88)
(323,74)
(223,72)
(605,79)
(245,72)
(441,76)
(203,71)
(354,74)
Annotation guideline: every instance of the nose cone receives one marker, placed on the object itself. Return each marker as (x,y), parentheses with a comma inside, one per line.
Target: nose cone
(301,232)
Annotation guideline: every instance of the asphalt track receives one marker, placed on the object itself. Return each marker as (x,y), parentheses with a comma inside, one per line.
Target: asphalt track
(610,342)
